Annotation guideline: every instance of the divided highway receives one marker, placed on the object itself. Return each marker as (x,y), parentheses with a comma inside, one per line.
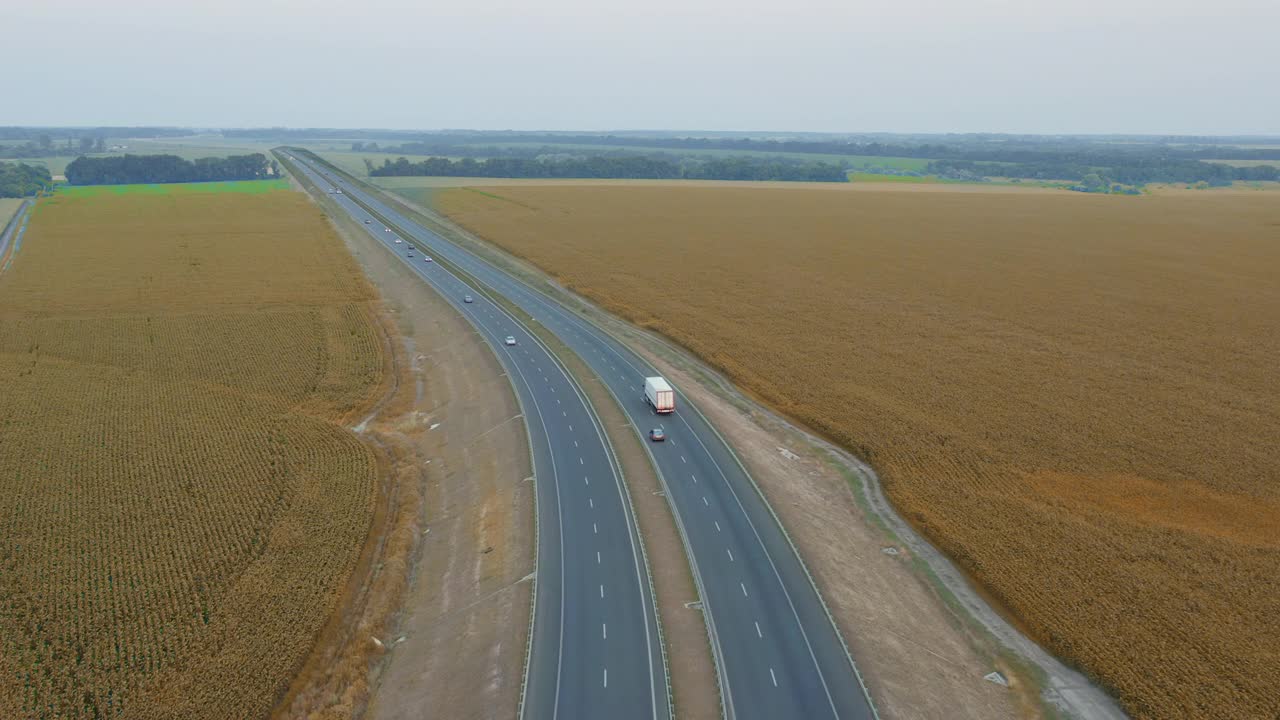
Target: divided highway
(595,647)
(777,648)
(13,229)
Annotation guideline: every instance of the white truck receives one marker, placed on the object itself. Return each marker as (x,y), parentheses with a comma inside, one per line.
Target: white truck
(659,395)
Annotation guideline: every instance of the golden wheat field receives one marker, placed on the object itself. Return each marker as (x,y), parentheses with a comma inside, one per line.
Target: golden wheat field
(180,504)
(1077,397)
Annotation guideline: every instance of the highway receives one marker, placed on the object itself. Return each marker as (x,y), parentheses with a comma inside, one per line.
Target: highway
(595,649)
(777,649)
(12,232)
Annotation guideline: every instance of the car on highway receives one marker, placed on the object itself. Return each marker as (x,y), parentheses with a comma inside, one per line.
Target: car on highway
(338,191)
(368,222)
(398,241)
(410,252)
(386,229)
(426,258)
(467,299)
(511,339)
(657,435)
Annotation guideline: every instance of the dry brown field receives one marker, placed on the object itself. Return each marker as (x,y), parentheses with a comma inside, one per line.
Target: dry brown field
(1075,396)
(180,504)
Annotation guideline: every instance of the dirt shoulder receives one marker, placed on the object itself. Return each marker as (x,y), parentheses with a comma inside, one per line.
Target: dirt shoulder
(459,642)
(928,641)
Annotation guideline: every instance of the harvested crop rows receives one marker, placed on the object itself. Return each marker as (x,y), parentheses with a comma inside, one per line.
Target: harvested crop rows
(1074,396)
(180,505)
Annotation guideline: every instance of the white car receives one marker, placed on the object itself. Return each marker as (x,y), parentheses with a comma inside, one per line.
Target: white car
(397,241)
(467,299)
(386,229)
(427,258)
(511,339)
(368,222)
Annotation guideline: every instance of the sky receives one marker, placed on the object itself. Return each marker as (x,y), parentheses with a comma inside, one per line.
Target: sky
(1022,66)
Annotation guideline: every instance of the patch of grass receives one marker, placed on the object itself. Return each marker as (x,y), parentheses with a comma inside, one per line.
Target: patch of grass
(876,177)
(897,163)
(8,206)
(353,162)
(57,164)
(251,187)
(192,148)
(1246,163)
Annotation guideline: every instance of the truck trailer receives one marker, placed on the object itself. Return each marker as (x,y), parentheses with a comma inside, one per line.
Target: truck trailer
(659,395)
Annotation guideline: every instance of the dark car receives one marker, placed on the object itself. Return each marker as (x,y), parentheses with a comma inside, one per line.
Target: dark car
(657,435)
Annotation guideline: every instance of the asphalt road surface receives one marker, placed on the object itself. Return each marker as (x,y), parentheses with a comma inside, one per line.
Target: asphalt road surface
(13,229)
(595,647)
(777,648)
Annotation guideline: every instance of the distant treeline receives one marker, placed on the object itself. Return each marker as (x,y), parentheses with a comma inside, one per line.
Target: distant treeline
(1134,160)
(1127,170)
(46,145)
(74,133)
(21,180)
(638,167)
(1038,159)
(167,169)
(977,148)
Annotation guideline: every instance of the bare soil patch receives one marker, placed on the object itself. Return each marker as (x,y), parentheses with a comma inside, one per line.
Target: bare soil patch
(458,647)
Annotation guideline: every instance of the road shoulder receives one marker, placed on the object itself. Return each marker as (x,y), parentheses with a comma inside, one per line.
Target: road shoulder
(460,639)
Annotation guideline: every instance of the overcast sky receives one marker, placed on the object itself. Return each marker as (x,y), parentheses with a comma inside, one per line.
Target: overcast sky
(1037,66)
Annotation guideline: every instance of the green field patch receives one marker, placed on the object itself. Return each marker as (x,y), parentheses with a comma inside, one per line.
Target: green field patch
(234,186)
(861,161)
(876,177)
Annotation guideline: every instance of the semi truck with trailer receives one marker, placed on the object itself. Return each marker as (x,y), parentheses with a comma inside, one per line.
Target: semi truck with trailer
(659,395)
